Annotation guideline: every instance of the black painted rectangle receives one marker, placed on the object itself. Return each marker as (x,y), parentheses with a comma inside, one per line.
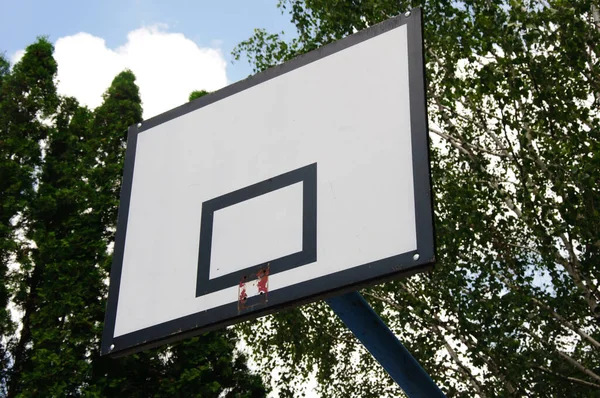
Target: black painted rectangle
(308,176)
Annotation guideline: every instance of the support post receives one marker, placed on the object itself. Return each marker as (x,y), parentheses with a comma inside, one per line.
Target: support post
(379,340)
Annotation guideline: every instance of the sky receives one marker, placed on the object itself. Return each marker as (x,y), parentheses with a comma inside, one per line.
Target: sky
(173,47)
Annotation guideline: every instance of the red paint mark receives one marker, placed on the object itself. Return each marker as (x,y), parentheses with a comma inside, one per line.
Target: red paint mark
(263,281)
(262,286)
(242,295)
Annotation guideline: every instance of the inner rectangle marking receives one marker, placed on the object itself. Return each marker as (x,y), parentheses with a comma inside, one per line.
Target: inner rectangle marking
(255,231)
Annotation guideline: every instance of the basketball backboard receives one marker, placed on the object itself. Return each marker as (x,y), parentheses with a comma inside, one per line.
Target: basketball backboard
(306,180)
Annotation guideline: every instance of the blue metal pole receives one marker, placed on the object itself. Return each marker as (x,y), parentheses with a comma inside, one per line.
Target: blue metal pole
(374,334)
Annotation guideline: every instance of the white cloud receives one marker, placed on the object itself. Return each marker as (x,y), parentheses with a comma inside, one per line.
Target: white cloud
(168,66)
(16,57)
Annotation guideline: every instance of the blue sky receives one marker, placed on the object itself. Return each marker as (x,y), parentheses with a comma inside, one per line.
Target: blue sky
(208,23)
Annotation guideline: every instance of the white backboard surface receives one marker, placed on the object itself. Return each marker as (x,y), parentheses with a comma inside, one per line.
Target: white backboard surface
(333,132)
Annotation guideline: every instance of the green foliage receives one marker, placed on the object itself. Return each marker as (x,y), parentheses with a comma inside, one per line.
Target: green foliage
(60,172)
(211,374)
(121,108)
(512,308)
(204,366)
(197,94)
(5,234)
(27,95)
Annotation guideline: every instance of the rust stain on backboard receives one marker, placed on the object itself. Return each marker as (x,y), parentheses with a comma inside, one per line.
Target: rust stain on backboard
(263,280)
(253,290)
(242,296)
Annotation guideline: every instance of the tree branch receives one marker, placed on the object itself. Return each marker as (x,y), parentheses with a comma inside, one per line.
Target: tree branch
(578,365)
(564,355)
(438,322)
(461,143)
(569,378)
(564,322)
(462,368)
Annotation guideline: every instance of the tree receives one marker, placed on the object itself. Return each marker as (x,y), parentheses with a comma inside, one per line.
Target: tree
(28,96)
(512,308)
(5,234)
(60,167)
(207,366)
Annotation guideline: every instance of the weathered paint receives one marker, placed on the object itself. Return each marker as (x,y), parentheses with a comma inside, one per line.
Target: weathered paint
(253,292)
(263,280)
